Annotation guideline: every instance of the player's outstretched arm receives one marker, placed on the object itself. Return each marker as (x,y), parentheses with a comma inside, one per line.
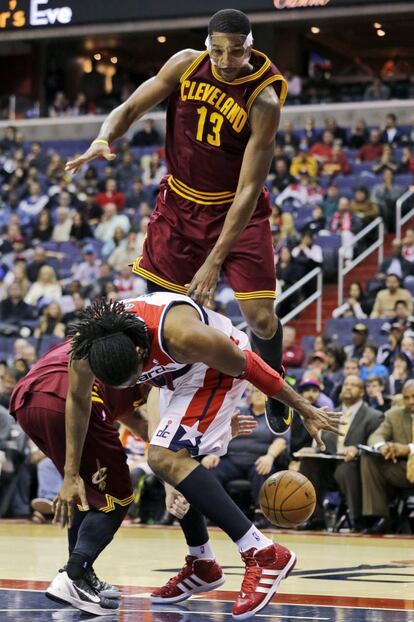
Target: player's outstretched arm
(77,415)
(148,95)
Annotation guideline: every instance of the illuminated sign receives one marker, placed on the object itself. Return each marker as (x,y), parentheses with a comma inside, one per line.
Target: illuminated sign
(298,4)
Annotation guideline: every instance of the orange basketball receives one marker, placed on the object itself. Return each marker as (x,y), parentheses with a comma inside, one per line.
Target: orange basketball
(287,498)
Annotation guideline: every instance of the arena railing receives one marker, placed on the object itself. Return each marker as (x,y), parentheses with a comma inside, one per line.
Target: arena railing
(316,296)
(401,219)
(346,265)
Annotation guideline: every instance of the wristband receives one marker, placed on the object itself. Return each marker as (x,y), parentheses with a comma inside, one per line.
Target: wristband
(100,141)
(261,375)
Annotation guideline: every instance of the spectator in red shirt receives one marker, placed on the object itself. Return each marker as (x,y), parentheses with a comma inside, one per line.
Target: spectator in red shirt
(323,150)
(293,355)
(111,195)
(336,164)
(372,150)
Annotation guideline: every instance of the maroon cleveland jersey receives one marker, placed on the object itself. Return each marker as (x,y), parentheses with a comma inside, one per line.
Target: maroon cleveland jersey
(50,375)
(208,127)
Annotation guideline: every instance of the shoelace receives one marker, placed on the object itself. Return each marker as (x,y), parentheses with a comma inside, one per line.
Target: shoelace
(252,576)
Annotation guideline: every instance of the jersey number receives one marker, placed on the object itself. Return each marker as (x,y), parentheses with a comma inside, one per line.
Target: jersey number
(216,121)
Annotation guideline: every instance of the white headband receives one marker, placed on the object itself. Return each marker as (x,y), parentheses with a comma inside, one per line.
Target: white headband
(247,43)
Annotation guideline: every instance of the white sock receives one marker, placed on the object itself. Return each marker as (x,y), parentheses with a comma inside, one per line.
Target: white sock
(202,552)
(253,539)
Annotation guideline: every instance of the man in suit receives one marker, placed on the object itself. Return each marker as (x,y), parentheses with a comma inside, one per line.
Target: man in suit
(385,474)
(360,421)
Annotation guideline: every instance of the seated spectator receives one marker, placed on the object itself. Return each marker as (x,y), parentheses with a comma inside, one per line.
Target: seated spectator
(363,207)
(39,260)
(36,157)
(402,370)
(147,136)
(32,205)
(63,226)
(109,246)
(46,286)
(368,364)
(111,195)
(375,387)
(154,171)
(78,304)
(377,91)
(294,83)
(81,106)
(90,208)
(49,482)
(287,138)
(322,151)
(312,389)
(330,201)
(383,477)
(50,321)
(360,421)
(345,223)
(293,354)
(80,228)
(396,264)
(351,368)
(407,161)
(110,221)
(136,194)
(385,195)
(307,254)
(386,161)
(303,192)
(254,457)
(391,134)
(359,135)
(60,106)
(384,306)
(408,245)
(372,150)
(388,351)
(335,164)
(304,162)
(407,347)
(8,382)
(126,171)
(99,286)
(13,308)
(87,271)
(360,334)
(335,360)
(43,228)
(129,285)
(280,176)
(283,220)
(340,133)
(317,222)
(311,134)
(352,307)
(125,253)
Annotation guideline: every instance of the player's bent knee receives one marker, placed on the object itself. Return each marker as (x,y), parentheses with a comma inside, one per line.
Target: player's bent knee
(163,462)
(263,324)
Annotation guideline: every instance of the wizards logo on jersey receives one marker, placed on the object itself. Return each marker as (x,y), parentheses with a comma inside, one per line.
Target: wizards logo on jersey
(188,437)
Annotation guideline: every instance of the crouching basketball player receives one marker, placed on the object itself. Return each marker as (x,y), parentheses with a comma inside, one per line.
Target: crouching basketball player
(38,404)
(202,364)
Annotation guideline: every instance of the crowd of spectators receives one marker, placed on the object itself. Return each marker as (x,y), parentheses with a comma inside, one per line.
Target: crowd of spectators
(67,240)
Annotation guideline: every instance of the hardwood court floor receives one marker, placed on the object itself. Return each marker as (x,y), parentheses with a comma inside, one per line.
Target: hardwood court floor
(337,578)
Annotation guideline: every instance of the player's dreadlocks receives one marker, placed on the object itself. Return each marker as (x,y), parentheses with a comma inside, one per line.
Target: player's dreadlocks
(229,20)
(107,336)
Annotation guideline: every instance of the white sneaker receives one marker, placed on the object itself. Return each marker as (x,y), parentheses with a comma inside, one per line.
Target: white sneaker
(80,595)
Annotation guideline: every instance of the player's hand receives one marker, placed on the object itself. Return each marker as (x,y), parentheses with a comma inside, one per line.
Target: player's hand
(242,424)
(176,504)
(204,284)
(393,451)
(264,464)
(98,150)
(210,462)
(73,488)
(317,419)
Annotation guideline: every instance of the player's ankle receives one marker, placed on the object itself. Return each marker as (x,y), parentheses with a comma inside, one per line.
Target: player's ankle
(253,539)
(204,551)
(77,566)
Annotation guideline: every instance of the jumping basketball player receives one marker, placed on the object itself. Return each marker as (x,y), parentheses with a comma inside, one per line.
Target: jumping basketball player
(212,210)
(201,364)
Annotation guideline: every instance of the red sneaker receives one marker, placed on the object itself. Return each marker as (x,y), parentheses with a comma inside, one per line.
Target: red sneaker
(265,569)
(197,575)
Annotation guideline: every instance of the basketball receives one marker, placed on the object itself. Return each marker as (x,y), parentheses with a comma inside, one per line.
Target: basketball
(287,498)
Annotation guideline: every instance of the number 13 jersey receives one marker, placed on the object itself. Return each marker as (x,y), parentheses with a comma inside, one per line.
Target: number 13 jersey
(208,127)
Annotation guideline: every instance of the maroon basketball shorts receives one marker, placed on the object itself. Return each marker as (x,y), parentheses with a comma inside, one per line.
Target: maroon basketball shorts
(181,234)
(103,465)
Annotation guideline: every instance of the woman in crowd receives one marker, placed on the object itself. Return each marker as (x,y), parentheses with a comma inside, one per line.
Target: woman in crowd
(402,371)
(46,286)
(50,322)
(43,229)
(353,306)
